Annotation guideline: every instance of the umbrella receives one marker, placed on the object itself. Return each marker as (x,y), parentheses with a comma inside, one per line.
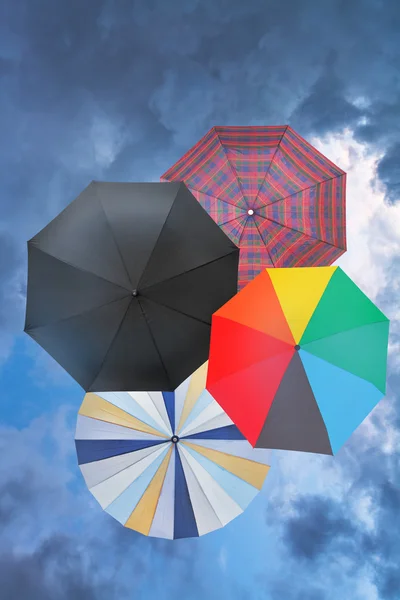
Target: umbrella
(122,285)
(169,465)
(274,195)
(298,359)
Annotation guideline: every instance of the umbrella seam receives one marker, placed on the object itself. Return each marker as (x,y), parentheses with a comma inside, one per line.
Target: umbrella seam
(158,237)
(302,190)
(215,198)
(303,233)
(111,344)
(201,487)
(190,270)
(114,238)
(80,268)
(270,164)
(156,447)
(177,311)
(231,168)
(154,343)
(325,337)
(84,312)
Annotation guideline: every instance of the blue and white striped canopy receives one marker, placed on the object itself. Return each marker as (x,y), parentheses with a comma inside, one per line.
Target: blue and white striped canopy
(169,465)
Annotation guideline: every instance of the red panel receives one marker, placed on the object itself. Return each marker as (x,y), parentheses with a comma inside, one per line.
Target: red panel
(247,395)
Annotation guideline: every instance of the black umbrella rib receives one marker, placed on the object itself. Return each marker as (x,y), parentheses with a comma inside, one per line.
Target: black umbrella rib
(115,241)
(189,271)
(82,270)
(80,314)
(110,346)
(177,311)
(154,342)
(155,243)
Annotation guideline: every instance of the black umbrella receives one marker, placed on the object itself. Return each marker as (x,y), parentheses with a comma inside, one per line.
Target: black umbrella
(122,285)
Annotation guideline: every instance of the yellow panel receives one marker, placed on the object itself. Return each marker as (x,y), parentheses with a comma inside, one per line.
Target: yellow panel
(97,408)
(299,290)
(142,516)
(196,386)
(252,472)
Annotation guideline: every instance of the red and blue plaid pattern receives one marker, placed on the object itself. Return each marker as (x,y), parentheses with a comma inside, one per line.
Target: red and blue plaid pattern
(296,194)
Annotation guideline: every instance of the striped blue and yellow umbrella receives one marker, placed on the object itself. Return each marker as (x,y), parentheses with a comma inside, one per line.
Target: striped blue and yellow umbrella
(169,465)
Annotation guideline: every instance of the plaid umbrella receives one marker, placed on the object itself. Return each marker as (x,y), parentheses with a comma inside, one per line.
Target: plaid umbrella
(279,199)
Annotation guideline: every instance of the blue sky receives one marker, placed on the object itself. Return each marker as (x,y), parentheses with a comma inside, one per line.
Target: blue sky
(118,91)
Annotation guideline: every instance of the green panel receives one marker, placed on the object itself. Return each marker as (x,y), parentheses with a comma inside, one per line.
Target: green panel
(343,306)
(361,351)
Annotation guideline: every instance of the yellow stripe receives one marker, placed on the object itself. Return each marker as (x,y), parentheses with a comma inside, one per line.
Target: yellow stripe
(252,472)
(142,516)
(97,408)
(196,387)
(299,290)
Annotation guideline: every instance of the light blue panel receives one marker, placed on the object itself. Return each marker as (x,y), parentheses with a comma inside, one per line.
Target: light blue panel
(203,401)
(122,506)
(344,400)
(125,402)
(239,490)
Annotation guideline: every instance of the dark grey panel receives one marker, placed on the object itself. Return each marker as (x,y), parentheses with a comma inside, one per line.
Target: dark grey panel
(132,362)
(59,291)
(294,421)
(189,238)
(136,213)
(200,292)
(80,344)
(81,236)
(182,341)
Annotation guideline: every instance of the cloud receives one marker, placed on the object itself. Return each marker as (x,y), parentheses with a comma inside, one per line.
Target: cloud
(120,91)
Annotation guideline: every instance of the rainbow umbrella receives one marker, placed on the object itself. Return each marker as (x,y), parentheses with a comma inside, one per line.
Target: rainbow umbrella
(298,359)
(277,198)
(169,465)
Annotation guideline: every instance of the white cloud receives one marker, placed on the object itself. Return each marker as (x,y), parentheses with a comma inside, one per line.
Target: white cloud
(373,226)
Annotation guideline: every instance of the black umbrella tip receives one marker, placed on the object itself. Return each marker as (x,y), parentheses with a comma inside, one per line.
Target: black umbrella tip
(297,347)
(135,293)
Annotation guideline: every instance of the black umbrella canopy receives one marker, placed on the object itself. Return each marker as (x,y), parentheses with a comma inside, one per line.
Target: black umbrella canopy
(122,285)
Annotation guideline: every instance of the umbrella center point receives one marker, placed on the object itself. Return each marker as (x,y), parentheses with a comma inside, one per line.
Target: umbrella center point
(134,293)
(297,347)
(250,212)
(174,439)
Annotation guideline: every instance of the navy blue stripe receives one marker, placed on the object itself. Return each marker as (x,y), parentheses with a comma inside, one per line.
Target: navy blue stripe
(229,432)
(184,520)
(169,400)
(92,450)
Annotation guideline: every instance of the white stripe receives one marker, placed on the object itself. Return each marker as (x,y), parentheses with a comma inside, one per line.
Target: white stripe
(127,403)
(221,420)
(163,521)
(208,414)
(158,401)
(180,397)
(107,491)
(240,448)
(224,506)
(206,519)
(100,470)
(93,429)
(145,401)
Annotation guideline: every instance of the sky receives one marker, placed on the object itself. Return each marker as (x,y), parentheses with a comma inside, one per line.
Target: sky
(117,91)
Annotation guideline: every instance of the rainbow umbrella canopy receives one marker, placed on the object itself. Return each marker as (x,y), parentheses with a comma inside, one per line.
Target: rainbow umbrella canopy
(167,464)
(298,359)
(277,198)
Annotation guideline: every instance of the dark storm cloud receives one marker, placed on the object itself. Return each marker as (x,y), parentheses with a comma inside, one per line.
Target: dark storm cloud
(118,91)
(56,570)
(318,526)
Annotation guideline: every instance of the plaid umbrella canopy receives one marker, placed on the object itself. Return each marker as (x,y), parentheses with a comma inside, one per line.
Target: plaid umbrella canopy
(277,198)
